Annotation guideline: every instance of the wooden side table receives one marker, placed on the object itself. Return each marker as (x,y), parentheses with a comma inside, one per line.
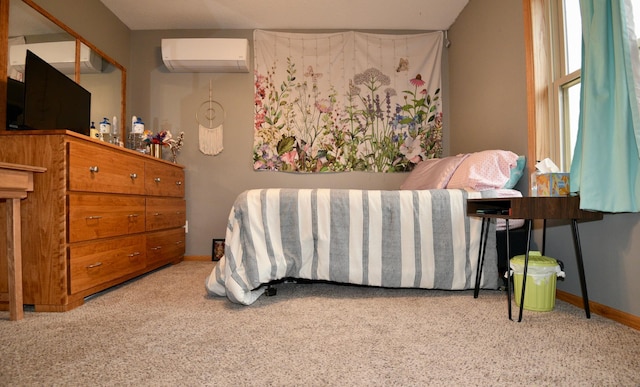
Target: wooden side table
(15,181)
(530,208)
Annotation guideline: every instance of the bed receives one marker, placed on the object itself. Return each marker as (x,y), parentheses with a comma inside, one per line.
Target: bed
(413,237)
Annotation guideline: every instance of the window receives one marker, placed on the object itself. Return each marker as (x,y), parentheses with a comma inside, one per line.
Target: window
(566,43)
(554,57)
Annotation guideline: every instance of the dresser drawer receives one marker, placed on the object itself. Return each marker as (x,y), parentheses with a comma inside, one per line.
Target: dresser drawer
(100,169)
(95,263)
(165,246)
(163,179)
(163,213)
(101,216)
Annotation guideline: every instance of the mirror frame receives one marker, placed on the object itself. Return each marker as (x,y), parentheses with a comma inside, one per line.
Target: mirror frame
(4,55)
(4,58)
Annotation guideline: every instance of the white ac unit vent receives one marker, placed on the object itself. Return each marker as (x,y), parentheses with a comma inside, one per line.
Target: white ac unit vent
(61,55)
(206,55)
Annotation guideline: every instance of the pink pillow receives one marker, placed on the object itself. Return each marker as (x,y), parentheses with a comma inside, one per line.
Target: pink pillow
(432,173)
(483,171)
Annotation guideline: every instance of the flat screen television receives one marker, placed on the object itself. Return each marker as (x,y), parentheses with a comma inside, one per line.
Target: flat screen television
(15,104)
(52,100)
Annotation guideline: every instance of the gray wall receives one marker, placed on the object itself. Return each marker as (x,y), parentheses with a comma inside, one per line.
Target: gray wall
(487,77)
(485,108)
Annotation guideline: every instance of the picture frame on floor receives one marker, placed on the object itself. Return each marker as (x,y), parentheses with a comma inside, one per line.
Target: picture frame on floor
(217,249)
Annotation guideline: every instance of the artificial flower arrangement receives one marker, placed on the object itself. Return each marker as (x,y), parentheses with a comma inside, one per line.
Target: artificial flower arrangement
(165,138)
(159,138)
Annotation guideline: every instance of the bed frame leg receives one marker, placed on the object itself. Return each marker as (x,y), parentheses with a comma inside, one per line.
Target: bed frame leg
(270,291)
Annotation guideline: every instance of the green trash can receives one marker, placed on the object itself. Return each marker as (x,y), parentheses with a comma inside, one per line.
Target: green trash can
(542,272)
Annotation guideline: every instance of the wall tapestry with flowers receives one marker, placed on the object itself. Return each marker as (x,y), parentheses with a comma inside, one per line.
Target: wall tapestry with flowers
(346,101)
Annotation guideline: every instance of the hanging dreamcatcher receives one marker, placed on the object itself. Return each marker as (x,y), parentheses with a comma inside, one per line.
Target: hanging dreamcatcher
(210,117)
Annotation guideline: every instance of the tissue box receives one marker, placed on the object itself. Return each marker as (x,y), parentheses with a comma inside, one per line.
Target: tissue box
(552,184)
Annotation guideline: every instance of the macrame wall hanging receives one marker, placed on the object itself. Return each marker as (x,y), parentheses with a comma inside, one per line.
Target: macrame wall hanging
(210,117)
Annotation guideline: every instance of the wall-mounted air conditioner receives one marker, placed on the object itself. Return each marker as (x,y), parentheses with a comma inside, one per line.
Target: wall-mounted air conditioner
(61,55)
(206,55)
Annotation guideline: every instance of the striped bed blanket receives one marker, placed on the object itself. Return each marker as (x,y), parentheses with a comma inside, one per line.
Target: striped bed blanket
(396,239)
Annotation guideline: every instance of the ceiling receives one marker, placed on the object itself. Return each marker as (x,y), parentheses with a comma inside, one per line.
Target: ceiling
(287,14)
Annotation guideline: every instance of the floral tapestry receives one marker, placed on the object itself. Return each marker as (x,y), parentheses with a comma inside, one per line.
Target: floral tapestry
(346,101)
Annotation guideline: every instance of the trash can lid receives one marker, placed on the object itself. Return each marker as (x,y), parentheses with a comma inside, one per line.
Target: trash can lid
(535,259)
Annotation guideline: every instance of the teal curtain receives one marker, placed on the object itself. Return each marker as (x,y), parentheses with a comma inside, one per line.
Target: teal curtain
(606,165)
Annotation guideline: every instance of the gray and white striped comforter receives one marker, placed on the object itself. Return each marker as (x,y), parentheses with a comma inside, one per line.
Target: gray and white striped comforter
(417,239)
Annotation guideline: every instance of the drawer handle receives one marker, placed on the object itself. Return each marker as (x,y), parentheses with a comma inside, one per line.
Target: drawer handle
(157,214)
(94,169)
(93,266)
(134,254)
(94,217)
(157,248)
(178,183)
(178,242)
(178,212)
(134,175)
(157,179)
(133,215)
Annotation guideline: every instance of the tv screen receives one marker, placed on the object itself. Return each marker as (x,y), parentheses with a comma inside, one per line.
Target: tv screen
(15,104)
(52,100)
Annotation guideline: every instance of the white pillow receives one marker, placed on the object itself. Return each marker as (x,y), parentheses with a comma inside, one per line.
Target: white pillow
(432,173)
(484,170)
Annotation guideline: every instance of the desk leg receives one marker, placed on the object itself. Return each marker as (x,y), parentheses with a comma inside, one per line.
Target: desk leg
(526,266)
(482,248)
(14,259)
(544,236)
(508,273)
(583,280)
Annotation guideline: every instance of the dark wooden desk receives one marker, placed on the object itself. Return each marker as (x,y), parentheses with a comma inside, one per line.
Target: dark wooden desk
(15,181)
(530,208)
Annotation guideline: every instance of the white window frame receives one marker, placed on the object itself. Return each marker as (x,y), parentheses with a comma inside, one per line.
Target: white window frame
(560,131)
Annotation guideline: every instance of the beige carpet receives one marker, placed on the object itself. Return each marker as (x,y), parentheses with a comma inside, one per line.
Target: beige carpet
(162,330)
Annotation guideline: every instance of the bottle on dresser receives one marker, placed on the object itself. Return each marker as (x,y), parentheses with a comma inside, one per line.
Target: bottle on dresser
(105,130)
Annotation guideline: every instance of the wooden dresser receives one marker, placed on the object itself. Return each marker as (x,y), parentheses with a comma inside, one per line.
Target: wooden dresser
(101,215)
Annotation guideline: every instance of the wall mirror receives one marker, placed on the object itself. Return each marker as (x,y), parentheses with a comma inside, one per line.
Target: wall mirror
(31,27)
